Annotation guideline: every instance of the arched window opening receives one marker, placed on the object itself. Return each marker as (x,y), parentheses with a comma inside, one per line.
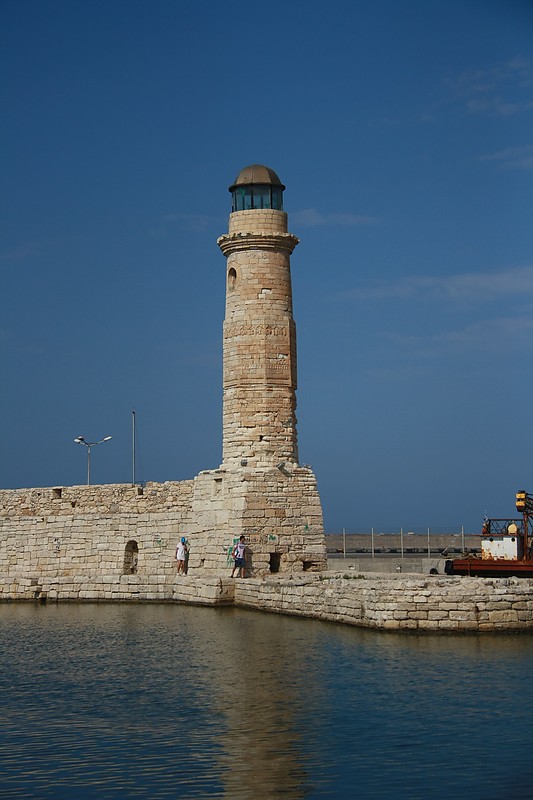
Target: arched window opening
(232,277)
(131,558)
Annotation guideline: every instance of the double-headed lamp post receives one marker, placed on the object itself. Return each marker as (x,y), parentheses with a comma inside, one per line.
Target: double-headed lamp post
(88,445)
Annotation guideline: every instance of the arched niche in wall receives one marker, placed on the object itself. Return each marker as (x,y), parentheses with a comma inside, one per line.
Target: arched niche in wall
(131,558)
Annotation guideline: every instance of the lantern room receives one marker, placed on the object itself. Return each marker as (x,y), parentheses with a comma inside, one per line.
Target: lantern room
(256,186)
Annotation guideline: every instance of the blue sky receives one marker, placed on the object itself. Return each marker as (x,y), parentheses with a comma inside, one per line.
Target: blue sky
(403,132)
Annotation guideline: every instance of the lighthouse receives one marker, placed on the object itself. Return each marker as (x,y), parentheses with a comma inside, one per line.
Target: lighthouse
(260,491)
(259,335)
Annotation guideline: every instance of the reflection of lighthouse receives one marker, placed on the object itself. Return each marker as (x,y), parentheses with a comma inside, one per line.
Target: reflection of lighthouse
(259,422)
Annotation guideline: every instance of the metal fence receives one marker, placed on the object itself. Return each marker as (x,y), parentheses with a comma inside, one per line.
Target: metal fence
(402,543)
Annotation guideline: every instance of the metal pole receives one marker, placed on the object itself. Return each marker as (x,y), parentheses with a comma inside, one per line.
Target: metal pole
(463,538)
(344,541)
(429,546)
(88,465)
(133,447)
(372,542)
(401,541)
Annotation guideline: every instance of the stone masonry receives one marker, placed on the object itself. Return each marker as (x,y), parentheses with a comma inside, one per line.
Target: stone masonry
(90,531)
(259,406)
(429,604)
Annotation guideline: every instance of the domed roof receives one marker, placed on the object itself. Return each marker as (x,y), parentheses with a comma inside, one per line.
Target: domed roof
(256,173)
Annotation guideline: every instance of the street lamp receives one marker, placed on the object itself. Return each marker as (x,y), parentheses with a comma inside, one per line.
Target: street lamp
(88,445)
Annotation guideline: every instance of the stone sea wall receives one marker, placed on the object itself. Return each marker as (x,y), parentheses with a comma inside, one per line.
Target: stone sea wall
(391,603)
(158,588)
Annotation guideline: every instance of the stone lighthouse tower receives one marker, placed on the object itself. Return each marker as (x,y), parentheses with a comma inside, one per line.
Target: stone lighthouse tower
(260,491)
(259,419)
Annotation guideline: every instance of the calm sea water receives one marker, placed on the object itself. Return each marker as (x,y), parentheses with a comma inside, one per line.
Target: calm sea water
(123,701)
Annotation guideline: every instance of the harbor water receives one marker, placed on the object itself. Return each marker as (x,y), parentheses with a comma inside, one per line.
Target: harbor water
(171,701)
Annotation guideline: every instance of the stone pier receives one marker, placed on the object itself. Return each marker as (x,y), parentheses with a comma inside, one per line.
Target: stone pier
(383,603)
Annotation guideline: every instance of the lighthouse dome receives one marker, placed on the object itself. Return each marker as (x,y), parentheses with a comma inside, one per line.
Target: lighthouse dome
(256,173)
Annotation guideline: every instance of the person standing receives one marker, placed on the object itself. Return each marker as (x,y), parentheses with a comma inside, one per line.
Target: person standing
(239,558)
(181,555)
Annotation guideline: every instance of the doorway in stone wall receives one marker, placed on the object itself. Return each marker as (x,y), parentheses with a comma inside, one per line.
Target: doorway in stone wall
(275,562)
(131,558)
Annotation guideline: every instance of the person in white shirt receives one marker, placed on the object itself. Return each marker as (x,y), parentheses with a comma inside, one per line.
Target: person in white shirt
(181,555)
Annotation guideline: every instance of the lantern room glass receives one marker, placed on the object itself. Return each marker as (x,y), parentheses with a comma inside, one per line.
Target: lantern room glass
(257,195)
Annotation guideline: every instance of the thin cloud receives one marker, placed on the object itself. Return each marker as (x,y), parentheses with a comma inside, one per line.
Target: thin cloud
(197,223)
(512,157)
(490,335)
(310,217)
(425,117)
(504,90)
(463,287)
(193,222)
(22,252)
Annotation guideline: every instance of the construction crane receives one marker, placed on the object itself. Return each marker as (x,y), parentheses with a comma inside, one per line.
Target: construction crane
(524,506)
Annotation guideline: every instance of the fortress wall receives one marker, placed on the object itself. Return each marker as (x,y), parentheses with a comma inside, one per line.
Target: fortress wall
(95,533)
(109,498)
(88,545)
(84,531)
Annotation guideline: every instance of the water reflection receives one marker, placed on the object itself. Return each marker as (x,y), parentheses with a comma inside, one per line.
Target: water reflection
(257,697)
(173,701)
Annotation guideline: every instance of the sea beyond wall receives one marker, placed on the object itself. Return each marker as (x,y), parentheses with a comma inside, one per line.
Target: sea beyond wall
(388,602)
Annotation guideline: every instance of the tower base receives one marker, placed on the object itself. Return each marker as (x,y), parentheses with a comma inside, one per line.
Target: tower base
(277,509)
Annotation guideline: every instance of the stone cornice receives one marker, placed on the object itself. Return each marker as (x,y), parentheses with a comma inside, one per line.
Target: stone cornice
(234,242)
